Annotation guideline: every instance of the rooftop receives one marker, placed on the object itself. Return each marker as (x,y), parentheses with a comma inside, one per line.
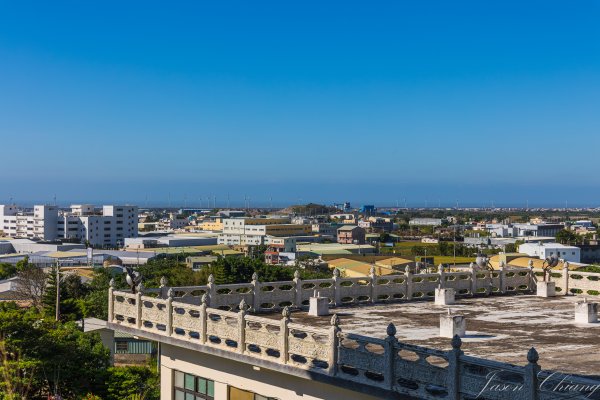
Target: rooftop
(501,328)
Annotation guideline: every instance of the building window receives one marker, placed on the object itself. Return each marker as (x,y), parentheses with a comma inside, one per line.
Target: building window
(191,387)
(239,394)
(121,347)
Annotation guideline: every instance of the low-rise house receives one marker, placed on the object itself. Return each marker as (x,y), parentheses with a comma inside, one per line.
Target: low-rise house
(196,263)
(544,250)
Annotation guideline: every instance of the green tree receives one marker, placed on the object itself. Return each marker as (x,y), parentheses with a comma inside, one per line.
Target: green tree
(132,382)
(7,270)
(565,236)
(96,300)
(61,359)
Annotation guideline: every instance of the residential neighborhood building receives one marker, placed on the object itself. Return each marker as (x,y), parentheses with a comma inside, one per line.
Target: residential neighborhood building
(351,234)
(374,224)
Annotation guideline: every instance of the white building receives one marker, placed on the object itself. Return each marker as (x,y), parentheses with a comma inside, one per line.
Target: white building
(83,222)
(544,250)
(40,224)
(425,222)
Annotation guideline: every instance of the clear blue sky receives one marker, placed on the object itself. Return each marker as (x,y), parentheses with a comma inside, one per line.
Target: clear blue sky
(478,101)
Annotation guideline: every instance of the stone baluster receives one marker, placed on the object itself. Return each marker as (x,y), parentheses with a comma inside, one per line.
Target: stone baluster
(337,289)
(442,283)
(203,317)
(212,291)
(501,277)
(111,300)
(334,343)
(139,305)
(408,283)
(473,273)
(284,333)
(169,310)
(164,289)
(565,278)
(532,369)
(297,290)
(488,276)
(453,382)
(256,293)
(241,347)
(373,283)
(389,356)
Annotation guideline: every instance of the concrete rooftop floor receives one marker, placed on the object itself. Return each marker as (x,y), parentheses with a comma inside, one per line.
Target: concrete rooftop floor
(501,328)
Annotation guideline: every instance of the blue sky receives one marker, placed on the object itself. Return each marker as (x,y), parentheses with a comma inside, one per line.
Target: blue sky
(426,101)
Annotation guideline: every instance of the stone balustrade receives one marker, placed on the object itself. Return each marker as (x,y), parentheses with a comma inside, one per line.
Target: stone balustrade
(344,291)
(573,282)
(385,364)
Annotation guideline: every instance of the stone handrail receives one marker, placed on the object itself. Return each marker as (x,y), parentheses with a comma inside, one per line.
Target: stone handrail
(342,291)
(572,282)
(386,364)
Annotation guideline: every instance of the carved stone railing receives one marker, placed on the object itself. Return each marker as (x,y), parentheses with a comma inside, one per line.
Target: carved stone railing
(343,291)
(386,364)
(569,282)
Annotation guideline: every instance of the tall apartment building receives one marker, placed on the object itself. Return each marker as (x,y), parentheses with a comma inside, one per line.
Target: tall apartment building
(40,224)
(83,222)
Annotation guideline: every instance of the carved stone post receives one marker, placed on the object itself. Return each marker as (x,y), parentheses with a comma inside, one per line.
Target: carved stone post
(297,301)
(531,384)
(453,383)
(164,289)
(284,333)
(337,290)
(203,318)
(565,278)
(241,348)
(169,311)
(488,276)
(532,280)
(373,283)
(111,300)
(138,304)
(501,278)
(334,343)
(408,283)
(473,273)
(389,356)
(255,293)
(212,291)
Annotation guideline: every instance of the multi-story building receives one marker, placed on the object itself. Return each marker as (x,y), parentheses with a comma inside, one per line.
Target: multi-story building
(373,224)
(425,222)
(41,224)
(106,228)
(212,224)
(351,234)
(253,231)
(279,248)
(326,229)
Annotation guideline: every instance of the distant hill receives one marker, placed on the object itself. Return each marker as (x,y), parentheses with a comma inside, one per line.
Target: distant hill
(309,209)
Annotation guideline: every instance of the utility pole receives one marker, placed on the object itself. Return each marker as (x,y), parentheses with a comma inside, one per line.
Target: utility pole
(57,291)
